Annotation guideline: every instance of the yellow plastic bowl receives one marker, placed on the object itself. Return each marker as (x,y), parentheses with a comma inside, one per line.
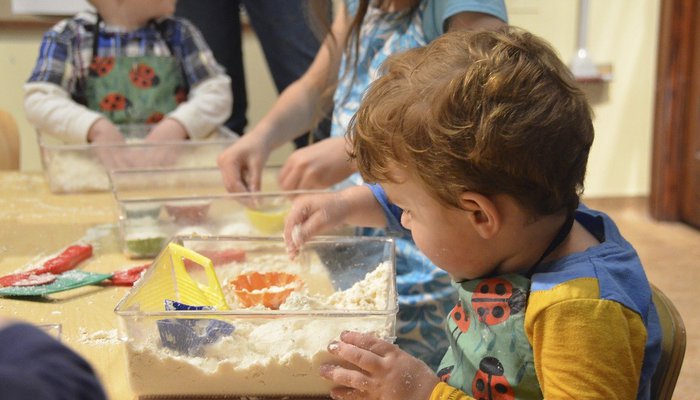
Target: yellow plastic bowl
(266,220)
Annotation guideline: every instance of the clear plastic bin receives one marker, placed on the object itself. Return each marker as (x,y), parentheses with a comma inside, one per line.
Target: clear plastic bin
(157,204)
(344,283)
(74,168)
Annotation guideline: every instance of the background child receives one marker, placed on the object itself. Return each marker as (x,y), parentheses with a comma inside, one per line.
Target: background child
(480,143)
(131,63)
(33,365)
(364,34)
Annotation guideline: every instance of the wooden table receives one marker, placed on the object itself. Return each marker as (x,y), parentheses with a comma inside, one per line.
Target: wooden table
(35,223)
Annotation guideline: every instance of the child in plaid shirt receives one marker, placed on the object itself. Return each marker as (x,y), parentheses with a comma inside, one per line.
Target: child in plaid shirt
(130,63)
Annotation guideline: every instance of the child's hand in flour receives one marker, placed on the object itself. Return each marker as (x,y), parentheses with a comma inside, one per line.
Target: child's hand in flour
(311,215)
(319,213)
(381,370)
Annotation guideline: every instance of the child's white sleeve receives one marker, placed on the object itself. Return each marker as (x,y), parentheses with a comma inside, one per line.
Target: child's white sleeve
(51,110)
(208,106)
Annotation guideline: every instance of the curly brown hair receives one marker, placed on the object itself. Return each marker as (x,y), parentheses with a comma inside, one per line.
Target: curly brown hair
(495,112)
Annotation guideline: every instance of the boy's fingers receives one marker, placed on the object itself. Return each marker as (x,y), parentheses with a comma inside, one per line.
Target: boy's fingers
(367,341)
(316,224)
(362,358)
(295,218)
(345,377)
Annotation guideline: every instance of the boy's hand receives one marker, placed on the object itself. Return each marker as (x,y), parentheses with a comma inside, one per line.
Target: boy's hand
(317,166)
(311,215)
(383,371)
(168,129)
(104,131)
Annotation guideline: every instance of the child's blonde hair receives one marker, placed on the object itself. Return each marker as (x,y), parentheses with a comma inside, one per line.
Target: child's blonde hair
(490,112)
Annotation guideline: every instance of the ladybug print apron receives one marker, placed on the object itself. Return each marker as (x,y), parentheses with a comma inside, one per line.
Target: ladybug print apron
(490,357)
(138,90)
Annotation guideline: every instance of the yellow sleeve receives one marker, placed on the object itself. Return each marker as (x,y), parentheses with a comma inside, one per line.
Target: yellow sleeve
(584,347)
(443,391)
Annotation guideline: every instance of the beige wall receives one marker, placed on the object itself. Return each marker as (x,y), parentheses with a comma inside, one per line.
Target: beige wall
(18,51)
(622,33)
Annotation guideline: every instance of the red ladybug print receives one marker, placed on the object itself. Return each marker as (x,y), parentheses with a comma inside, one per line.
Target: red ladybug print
(143,76)
(101,66)
(460,317)
(489,382)
(154,118)
(495,300)
(445,373)
(114,102)
(180,94)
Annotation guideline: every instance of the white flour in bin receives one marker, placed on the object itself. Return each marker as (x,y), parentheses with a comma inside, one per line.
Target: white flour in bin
(81,171)
(264,356)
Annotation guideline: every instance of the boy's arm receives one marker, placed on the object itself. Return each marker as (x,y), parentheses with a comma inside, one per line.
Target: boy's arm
(208,106)
(50,109)
(585,348)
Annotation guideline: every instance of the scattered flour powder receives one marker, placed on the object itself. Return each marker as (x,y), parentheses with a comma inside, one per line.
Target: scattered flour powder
(99,337)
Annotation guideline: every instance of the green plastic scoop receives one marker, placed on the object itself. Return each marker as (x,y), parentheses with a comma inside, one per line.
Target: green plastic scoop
(65,281)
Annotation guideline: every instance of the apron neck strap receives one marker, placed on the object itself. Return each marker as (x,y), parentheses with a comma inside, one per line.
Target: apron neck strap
(556,241)
(96,36)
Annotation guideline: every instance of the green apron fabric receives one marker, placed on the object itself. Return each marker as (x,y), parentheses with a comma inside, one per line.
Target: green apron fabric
(490,356)
(135,90)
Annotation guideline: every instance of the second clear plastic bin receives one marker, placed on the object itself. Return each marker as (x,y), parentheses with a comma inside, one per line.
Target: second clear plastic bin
(157,204)
(75,168)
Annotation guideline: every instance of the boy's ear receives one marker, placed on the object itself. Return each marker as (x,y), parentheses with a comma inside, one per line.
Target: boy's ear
(482,213)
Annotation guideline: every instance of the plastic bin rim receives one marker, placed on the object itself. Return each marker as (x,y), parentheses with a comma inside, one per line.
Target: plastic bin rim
(240,195)
(186,143)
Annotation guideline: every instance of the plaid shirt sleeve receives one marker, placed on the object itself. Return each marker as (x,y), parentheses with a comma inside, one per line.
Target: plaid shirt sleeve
(54,54)
(198,62)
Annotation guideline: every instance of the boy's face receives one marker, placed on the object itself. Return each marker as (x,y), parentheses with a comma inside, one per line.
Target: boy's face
(444,234)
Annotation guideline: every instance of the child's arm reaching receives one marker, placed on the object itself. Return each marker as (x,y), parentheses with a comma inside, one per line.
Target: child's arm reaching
(314,214)
(383,371)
